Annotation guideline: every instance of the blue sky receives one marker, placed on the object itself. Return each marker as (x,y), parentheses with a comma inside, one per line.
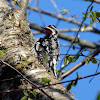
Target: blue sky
(83,90)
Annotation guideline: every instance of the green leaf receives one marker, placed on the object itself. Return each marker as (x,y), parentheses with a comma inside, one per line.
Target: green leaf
(91,8)
(64,11)
(77,56)
(97,14)
(24,98)
(72,55)
(76,79)
(73,47)
(91,21)
(17,2)
(73,84)
(94,61)
(85,15)
(78,40)
(76,82)
(93,15)
(34,93)
(98,96)
(70,59)
(87,61)
(45,59)
(58,72)
(25,93)
(45,80)
(30,99)
(69,86)
(1,53)
(65,61)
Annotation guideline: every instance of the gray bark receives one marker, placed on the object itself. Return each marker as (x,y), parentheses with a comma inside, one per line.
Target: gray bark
(16,41)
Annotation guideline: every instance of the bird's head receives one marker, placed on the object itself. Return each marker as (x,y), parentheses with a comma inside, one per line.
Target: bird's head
(50,29)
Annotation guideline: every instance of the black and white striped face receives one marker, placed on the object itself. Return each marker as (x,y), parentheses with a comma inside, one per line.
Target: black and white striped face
(51,29)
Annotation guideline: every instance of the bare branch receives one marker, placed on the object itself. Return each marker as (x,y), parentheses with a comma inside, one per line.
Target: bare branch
(35,3)
(79,27)
(70,20)
(83,43)
(97,1)
(55,6)
(23,6)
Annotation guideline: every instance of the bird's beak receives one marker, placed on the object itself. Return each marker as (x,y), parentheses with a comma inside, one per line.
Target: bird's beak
(44,28)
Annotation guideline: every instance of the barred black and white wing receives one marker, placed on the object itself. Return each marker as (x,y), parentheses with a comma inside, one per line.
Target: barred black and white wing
(48,49)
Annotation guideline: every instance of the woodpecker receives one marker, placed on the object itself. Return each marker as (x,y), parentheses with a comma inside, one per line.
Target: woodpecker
(48,49)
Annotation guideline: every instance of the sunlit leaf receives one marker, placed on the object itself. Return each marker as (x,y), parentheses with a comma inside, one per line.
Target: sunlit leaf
(85,15)
(70,59)
(24,98)
(93,15)
(58,72)
(25,93)
(45,59)
(87,61)
(65,61)
(45,80)
(1,53)
(30,99)
(34,93)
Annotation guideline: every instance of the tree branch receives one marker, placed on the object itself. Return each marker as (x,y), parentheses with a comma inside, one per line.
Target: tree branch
(23,6)
(83,43)
(70,20)
(80,64)
(97,1)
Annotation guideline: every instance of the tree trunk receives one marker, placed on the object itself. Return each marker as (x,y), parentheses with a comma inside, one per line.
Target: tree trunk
(19,69)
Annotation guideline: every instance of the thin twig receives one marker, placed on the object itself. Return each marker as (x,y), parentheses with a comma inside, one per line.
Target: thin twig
(70,20)
(80,64)
(79,78)
(80,27)
(23,6)
(80,55)
(55,6)
(97,1)
(95,72)
(77,32)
